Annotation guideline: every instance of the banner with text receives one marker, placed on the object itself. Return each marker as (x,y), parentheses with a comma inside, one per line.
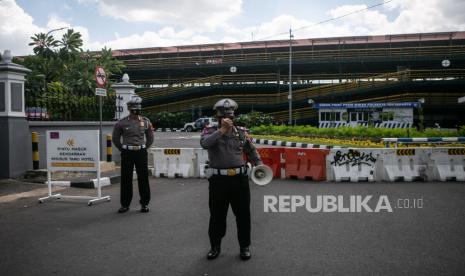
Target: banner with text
(72,150)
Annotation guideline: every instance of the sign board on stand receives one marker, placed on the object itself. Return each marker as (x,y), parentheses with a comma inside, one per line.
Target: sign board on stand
(73,150)
(100,80)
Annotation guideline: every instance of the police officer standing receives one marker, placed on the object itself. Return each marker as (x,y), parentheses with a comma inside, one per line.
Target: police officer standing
(228,177)
(133,149)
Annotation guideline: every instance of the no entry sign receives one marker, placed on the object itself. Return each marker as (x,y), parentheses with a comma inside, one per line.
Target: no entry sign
(100,76)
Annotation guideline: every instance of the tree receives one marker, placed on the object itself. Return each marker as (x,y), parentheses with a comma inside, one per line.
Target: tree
(71,42)
(43,44)
(62,71)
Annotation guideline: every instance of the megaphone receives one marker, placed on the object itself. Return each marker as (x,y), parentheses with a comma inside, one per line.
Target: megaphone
(261,175)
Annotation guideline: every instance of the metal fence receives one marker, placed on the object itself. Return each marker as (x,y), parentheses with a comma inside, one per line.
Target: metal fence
(69,107)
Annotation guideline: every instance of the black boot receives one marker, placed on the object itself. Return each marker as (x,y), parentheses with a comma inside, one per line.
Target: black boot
(123,209)
(245,253)
(214,252)
(144,209)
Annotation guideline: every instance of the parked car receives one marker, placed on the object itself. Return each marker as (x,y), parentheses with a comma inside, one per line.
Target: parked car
(200,123)
(37,113)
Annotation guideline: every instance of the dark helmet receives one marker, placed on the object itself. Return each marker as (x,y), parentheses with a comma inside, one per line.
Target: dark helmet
(225,108)
(134,103)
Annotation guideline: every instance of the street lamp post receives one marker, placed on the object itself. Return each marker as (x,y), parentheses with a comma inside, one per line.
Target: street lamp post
(48,33)
(421,101)
(311,102)
(54,30)
(289,97)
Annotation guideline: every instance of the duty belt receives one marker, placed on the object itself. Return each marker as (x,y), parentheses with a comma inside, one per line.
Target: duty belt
(133,147)
(229,172)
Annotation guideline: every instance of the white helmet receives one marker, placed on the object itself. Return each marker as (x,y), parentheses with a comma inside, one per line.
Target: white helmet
(135,103)
(225,108)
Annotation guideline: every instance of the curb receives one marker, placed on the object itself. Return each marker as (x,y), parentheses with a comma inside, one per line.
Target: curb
(88,184)
(293,144)
(92,183)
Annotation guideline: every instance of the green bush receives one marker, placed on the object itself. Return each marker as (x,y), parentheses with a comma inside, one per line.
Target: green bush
(166,119)
(253,119)
(461,131)
(354,132)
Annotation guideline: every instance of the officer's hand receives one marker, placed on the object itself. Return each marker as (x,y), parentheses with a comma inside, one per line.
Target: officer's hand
(226,125)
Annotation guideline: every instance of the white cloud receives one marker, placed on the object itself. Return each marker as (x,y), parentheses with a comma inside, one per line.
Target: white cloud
(16,28)
(182,26)
(409,16)
(199,15)
(55,22)
(165,37)
(427,15)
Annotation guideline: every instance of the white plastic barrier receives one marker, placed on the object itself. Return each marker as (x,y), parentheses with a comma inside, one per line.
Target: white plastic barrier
(352,165)
(408,164)
(201,161)
(173,162)
(447,164)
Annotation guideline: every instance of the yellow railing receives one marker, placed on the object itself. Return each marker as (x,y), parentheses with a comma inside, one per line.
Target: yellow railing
(317,91)
(263,78)
(350,83)
(399,52)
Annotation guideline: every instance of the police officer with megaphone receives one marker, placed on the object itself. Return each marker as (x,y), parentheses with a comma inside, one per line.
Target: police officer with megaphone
(228,177)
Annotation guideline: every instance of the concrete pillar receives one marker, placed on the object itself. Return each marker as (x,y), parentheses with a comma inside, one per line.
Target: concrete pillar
(15,138)
(124,92)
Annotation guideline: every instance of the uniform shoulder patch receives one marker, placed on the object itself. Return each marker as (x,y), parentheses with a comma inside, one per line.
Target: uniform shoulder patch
(147,121)
(119,124)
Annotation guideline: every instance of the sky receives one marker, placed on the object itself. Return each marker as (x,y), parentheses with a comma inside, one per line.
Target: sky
(124,24)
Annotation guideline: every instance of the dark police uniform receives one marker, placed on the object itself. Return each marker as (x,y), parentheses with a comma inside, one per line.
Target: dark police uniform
(134,152)
(229,182)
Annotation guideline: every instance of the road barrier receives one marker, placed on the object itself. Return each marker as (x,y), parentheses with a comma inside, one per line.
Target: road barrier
(305,163)
(200,162)
(273,158)
(173,163)
(352,164)
(434,140)
(404,164)
(349,164)
(293,144)
(447,164)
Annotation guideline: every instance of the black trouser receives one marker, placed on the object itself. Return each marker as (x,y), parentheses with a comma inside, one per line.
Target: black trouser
(129,158)
(225,190)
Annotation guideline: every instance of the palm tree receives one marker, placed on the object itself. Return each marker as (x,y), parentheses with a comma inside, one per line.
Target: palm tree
(71,41)
(43,44)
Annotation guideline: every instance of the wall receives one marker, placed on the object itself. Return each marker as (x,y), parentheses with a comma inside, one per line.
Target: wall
(16,153)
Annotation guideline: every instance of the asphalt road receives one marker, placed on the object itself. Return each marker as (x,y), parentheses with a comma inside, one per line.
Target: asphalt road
(176,139)
(69,238)
(180,140)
